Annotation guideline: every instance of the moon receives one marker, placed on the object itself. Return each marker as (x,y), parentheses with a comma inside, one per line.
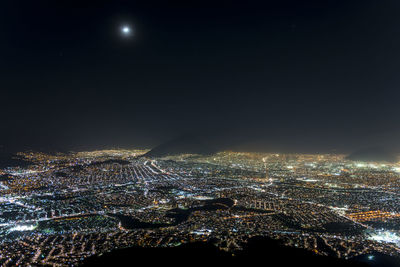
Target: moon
(126,30)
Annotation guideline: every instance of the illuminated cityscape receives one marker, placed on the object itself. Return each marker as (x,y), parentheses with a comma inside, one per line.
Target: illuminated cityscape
(174,132)
(63,208)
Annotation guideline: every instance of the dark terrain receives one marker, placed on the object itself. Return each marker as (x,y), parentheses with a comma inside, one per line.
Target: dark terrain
(258,252)
(185,144)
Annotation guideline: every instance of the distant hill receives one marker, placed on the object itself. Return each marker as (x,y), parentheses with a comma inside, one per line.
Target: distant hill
(11,160)
(259,252)
(373,155)
(186,144)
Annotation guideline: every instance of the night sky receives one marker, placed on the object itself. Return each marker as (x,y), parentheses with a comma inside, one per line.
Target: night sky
(251,75)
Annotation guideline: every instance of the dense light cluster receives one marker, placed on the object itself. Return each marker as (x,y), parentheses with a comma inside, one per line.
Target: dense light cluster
(66,207)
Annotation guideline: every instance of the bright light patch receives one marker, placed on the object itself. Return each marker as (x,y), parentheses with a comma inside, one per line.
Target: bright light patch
(202,232)
(386,237)
(21,228)
(341,210)
(2,186)
(126,30)
(371,257)
(307,180)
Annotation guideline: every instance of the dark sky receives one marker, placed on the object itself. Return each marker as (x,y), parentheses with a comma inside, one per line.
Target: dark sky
(255,75)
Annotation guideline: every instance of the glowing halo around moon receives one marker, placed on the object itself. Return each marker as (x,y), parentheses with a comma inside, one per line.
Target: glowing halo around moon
(126,31)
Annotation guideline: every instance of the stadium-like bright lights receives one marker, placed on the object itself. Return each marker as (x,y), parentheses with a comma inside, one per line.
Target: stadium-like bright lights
(22,228)
(386,237)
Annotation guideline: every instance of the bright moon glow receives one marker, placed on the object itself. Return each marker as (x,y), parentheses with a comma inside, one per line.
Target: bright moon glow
(126,30)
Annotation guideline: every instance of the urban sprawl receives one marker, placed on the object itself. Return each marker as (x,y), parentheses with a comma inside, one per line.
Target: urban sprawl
(63,208)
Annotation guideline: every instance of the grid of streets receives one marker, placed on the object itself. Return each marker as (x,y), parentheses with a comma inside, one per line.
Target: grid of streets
(62,208)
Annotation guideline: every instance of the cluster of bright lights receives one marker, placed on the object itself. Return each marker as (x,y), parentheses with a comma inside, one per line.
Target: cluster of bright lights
(360,165)
(386,237)
(202,232)
(369,165)
(21,228)
(307,180)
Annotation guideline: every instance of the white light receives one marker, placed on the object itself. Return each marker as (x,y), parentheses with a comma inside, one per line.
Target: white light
(386,237)
(373,166)
(21,228)
(126,30)
(371,257)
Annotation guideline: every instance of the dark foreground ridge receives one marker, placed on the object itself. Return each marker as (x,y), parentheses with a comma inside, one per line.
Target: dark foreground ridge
(375,154)
(186,144)
(259,251)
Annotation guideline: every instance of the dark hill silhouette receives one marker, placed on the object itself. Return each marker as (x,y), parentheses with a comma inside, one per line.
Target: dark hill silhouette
(186,144)
(11,160)
(258,252)
(374,154)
